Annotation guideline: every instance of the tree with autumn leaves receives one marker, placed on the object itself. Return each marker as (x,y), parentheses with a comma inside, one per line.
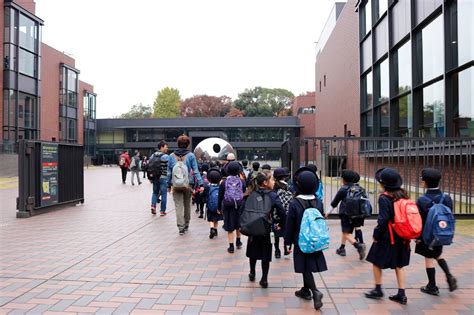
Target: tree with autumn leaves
(206,106)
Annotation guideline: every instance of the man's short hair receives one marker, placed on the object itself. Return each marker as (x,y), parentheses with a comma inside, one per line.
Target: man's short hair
(255,166)
(161,144)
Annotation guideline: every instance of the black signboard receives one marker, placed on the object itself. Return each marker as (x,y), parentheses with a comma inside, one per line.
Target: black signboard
(49,174)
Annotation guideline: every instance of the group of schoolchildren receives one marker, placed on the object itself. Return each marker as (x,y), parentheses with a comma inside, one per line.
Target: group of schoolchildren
(230,194)
(266,206)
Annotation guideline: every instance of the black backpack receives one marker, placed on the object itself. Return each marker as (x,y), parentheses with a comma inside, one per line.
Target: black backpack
(357,203)
(153,168)
(255,219)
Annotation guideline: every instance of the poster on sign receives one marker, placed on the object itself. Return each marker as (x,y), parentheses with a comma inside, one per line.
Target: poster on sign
(49,174)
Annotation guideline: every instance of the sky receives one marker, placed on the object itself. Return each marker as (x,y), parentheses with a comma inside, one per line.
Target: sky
(129,50)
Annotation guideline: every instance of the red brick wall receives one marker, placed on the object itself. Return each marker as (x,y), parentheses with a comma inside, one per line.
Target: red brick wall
(50,70)
(83,86)
(29,5)
(338,101)
(308,121)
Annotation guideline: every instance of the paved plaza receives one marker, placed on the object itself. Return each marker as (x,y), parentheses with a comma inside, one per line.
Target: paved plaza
(110,255)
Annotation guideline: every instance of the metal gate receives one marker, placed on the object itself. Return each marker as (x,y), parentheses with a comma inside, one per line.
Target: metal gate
(452,156)
(49,174)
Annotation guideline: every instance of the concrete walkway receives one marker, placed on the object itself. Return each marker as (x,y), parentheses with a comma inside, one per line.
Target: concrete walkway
(111,255)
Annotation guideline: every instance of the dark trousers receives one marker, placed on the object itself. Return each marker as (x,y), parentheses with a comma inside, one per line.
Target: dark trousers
(124,174)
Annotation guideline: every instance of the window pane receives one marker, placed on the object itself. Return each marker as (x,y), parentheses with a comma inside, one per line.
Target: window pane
(433,49)
(28,33)
(382,7)
(465,31)
(383,82)
(368,16)
(72,99)
(26,63)
(403,60)
(72,130)
(12,118)
(367,53)
(384,119)
(381,39)
(425,8)
(404,117)
(464,104)
(369,95)
(71,80)
(400,19)
(433,110)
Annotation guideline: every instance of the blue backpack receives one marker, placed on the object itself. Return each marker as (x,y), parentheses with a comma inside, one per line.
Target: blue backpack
(213,198)
(314,233)
(320,192)
(439,224)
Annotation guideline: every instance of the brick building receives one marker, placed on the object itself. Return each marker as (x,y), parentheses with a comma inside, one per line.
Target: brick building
(304,107)
(43,97)
(337,72)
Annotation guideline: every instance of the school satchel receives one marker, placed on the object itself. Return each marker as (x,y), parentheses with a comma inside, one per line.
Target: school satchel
(153,168)
(285,197)
(439,224)
(255,218)
(233,194)
(180,174)
(407,221)
(314,232)
(213,198)
(357,203)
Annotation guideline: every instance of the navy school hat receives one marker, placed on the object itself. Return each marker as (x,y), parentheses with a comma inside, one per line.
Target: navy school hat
(431,175)
(389,178)
(233,168)
(306,182)
(214,176)
(280,173)
(350,176)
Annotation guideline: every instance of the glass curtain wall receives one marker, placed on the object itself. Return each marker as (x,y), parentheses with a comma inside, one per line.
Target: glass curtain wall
(22,55)
(68,104)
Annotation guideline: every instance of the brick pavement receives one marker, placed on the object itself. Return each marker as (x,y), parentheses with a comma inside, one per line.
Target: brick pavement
(111,256)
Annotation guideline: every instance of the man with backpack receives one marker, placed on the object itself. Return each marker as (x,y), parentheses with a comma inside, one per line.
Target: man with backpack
(135,167)
(124,163)
(157,172)
(438,229)
(352,212)
(182,164)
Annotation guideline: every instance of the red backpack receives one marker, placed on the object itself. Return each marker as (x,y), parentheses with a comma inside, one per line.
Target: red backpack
(407,221)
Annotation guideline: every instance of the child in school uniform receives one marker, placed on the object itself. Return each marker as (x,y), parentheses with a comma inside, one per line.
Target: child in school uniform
(214,177)
(230,210)
(260,247)
(349,180)
(382,253)
(283,192)
(306,184)
(430,178)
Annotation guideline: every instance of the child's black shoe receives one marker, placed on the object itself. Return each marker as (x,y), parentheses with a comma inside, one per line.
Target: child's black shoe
(453,283)
(251,276)
(317,299)
(263,284)
(304,294)
(238,244)
(277,254)
(430,290)
(341,251)
(374,294)
(402,299)
(230,250)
